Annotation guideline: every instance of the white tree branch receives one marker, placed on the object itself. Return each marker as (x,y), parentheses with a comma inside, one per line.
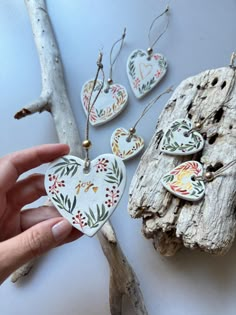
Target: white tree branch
(38,106)
(123,280)
(23,271)
(55,100)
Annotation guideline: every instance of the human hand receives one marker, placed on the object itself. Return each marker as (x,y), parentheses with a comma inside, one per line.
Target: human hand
(27,234)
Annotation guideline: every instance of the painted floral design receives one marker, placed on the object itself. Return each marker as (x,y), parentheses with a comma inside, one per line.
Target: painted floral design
(80,219)
(66,167)
(64,202)
(156,57)
(158,73)
(115,88)
(180,139)
(114,174)
(145,72)
(136,83)
(112,195)
(124,149)
(56,184)
(115,96)
(86,199)
(101,166)
(182,180)
(95,217)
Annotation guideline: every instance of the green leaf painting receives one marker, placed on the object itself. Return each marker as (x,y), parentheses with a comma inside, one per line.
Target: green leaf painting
(64,202)
(131,65)
(198,188)
(66,167)
(115,175)
(172,142)
(94,218)
(168,178)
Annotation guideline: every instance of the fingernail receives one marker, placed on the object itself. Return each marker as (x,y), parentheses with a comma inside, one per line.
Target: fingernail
(61,230)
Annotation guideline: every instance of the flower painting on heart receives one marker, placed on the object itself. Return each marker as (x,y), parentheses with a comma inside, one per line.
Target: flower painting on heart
(86,200)
(185,182)
(145,71)
(110,102)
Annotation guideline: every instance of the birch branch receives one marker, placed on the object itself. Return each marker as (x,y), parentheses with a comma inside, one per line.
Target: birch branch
(54,99)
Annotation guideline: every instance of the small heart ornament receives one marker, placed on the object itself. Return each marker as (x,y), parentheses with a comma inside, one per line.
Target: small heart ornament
(123,148)
(183,183)
(180,139)
(145,71)
(110,102)
(86,200)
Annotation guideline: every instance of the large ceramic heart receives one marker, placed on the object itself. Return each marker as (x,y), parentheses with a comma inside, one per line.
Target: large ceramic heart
(182,181)
(124,147)
(110,102)
(144,71)
(180,139)
(86,200)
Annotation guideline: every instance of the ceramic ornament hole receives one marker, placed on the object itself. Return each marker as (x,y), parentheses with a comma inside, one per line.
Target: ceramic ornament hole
(193,178)
(186,134)
(128,139)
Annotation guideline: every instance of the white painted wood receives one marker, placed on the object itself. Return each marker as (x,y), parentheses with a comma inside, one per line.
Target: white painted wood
(210,223)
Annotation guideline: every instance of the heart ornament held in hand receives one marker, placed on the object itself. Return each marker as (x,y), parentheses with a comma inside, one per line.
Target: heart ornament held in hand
(183,181)
(86,200)
(123,148)
(110,102)
(180,139)
(145,71)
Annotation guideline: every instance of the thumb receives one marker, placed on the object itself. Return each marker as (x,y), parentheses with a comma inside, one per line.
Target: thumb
(32,243)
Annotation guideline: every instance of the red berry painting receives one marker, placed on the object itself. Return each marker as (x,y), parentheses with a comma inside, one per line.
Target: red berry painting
(86,199)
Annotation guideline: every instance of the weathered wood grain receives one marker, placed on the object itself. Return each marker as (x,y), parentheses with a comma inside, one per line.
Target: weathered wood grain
(209,224)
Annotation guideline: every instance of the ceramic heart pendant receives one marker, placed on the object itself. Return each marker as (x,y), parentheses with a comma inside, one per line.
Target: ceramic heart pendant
(180,139)
(182,181)
(86,200)
(111,101)
(145,71)
(125,147)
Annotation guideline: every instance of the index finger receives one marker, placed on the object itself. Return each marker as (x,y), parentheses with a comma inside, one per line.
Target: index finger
(14,164)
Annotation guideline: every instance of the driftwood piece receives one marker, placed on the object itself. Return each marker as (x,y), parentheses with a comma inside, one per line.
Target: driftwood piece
(209,224)
(54,99)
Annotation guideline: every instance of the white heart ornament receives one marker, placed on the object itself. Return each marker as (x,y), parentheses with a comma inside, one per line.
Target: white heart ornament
(123,148)
(86,200)
(183,183)
(180,139)
(110,102)
(145,71)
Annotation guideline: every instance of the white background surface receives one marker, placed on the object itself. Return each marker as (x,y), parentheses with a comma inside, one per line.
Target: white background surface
(74,279)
